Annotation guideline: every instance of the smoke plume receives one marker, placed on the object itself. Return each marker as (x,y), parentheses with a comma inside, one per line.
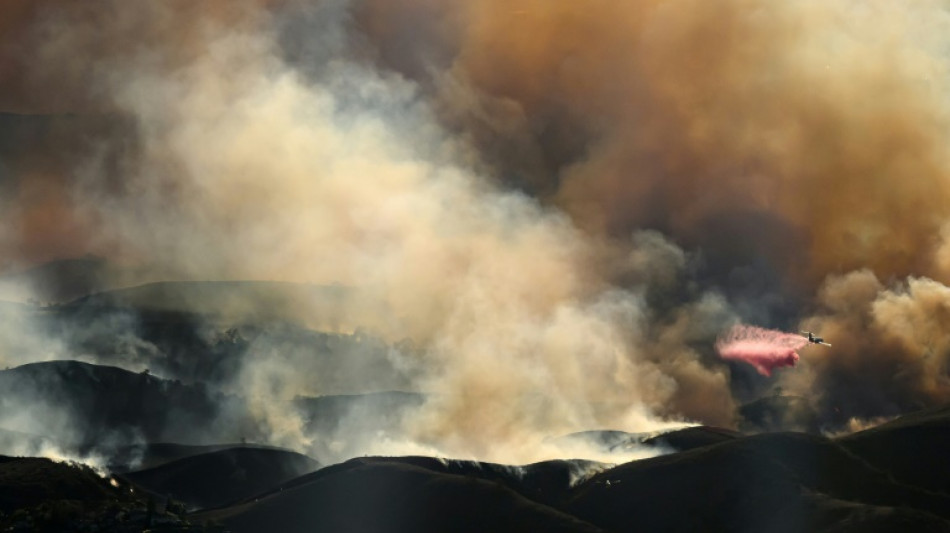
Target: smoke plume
(544,212)
(891,349)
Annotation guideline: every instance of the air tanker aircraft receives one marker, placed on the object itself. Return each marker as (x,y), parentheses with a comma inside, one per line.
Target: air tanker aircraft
(813,339)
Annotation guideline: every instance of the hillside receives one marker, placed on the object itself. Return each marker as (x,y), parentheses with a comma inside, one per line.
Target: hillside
(677,440)
(883,479)
(262,300)
(785,482)
(43,495)
(911,448)
(143,456)
(125,416)
(770,482)
(395,497)
(86,405)
(60,281)
(210,331)
(29,481)
(216,478)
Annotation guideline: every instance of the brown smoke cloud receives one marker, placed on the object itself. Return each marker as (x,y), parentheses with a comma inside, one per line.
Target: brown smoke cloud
(242,167)
(828,118)
(891,350)
(482,173)
(809,137)
(824,123)
(59,56)
(58,60)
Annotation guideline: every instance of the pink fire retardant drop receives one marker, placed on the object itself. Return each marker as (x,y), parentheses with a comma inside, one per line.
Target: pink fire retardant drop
(764,349)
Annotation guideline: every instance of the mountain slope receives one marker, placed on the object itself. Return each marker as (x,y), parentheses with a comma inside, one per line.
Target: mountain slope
(394,497)
(770,482)
(912,448)
(29,481)
(216,478)
(87,405)
(260,299)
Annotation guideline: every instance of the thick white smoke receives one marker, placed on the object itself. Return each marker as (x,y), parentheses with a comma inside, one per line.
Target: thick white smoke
(247,169)
(479,179)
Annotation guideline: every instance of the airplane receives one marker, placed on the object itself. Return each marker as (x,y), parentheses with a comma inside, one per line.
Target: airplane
(813,339)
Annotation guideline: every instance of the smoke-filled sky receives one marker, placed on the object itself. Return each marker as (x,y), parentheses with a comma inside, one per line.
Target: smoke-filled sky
(561,203)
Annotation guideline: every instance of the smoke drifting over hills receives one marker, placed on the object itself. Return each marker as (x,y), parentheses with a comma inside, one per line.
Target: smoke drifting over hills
(556,207)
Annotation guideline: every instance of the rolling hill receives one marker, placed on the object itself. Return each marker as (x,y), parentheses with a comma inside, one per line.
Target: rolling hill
(223,476)
(86,405)
(769,482)
(394,497)
(909,448)
(723,481)
(260,300)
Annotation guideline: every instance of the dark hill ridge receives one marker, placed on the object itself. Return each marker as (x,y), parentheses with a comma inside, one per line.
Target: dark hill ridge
(134,457)
(546,482)
(887,478)
(104,410)
(261,299)
(770,482)
(382,410)
(690,438)
(62,280)
(29,481)
(42,495)
(82,405)
(216,478)
(209,331)
(392,496)
(683,439)
(200,330)
(606,440)
(911,448)
(785,482)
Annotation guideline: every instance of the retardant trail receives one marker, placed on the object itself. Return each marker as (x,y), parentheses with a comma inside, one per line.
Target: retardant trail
(765,349)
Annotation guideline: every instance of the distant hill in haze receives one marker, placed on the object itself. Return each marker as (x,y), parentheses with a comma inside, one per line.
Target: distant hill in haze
(144,456)
(262,300)
(58,281)
(85,405)
(207,331)
(93,281)
(382,410)
(131,418)
(688,438)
